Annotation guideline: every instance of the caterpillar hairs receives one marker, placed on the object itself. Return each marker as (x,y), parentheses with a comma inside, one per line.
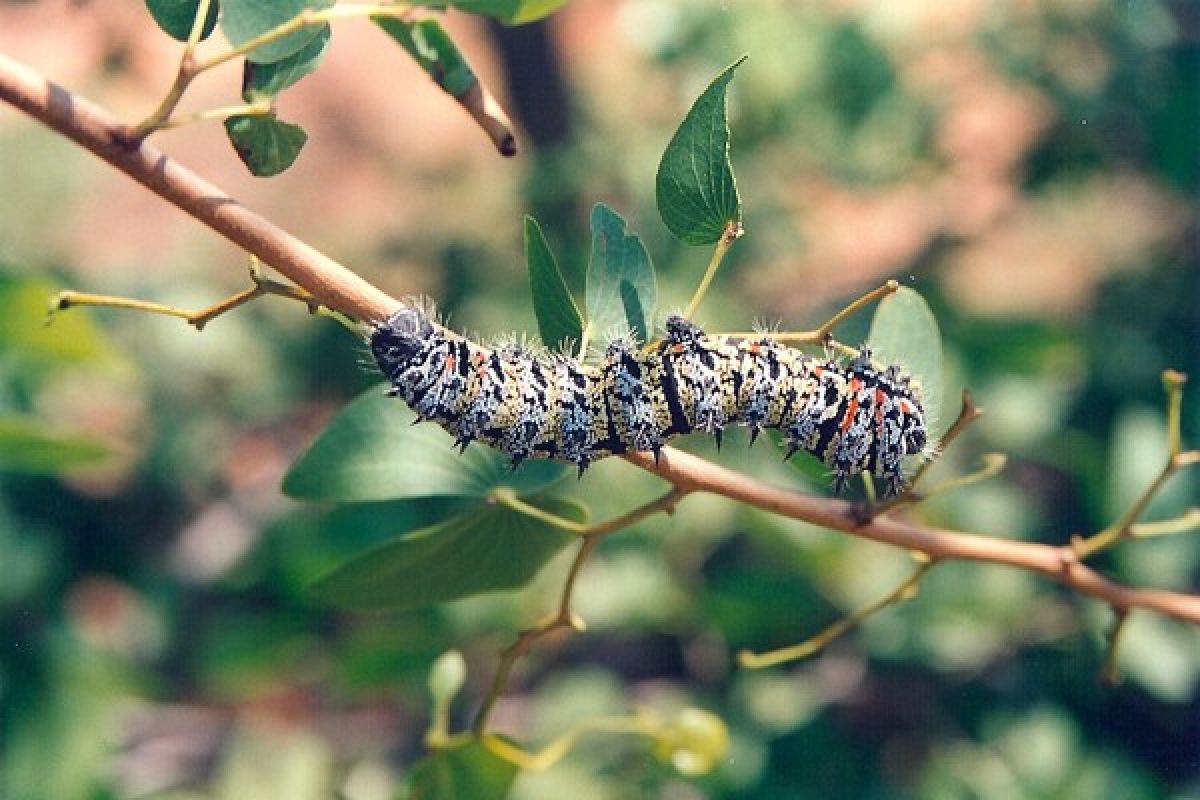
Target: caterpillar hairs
(853,417)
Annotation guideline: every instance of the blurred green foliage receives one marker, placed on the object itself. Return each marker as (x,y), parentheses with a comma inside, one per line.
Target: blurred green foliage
(1034,167)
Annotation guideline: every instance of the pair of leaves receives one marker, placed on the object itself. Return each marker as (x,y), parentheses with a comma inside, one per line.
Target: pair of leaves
(372,451)
(268,145)
(697,200)
(621,290)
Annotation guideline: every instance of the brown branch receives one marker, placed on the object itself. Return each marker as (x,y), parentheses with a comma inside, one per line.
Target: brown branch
(339,289)
(1057,562)
(98,131)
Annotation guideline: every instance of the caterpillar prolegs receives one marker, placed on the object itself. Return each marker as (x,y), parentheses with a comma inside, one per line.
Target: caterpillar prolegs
(852,416)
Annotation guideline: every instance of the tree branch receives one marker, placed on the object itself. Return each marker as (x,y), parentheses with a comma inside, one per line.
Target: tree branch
(95,129)
(341,290)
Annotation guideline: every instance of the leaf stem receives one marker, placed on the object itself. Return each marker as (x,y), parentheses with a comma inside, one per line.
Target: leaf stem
(183,78)
(824,333)
(905,591)
(733,231)
(199,318)
(1186,523)
(258,108)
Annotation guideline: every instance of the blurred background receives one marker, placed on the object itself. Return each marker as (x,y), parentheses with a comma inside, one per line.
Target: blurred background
(1032,168)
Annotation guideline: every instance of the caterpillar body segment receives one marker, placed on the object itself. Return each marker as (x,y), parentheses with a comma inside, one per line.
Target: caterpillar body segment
(853,417)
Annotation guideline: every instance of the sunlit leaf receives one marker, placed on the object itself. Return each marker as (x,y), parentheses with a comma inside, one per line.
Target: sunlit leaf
(71,338)
(432,48)
(270,79)
(487,549)
(905,332)
(622,292)
(372,451)
(29,445)
(468,771)
(696,192)
(244,20)
(175,17)
(559,322)
(266,144)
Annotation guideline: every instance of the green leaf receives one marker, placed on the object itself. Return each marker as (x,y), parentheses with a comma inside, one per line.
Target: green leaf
(468,771)
(697,195)
(433,49)
(71,338)
(621,289)
(30,445)
(559,323)
(487,549)
(905,332)
(175,17)
(510,12)
(372,451)
(259,80)
(243,20)
(266,145)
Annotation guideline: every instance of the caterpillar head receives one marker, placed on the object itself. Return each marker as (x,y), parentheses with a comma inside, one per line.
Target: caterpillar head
(400,340)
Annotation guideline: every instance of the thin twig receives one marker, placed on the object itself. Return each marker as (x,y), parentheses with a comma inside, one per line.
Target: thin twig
(591,536)
(184,76)
(733,231)
(197,319)
(641,723)
(1173,382)
(905,591)
(824,333)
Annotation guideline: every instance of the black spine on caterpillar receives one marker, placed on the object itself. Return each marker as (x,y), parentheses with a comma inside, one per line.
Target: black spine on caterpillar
(853,417)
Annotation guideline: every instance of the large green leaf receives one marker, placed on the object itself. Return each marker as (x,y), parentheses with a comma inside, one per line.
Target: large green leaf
(175,17)
(621,289)
(270,79)
(696,191)
(243,20)
(266,144)
(559,322)
(510,12)
(29,445)
(467,772)
(431,47)
(372,451)
(486,549)
(905,332)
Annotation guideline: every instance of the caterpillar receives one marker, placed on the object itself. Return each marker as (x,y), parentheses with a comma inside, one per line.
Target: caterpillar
(852,416)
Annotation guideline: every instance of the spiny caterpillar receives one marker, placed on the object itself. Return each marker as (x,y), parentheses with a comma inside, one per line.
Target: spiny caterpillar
(853,417)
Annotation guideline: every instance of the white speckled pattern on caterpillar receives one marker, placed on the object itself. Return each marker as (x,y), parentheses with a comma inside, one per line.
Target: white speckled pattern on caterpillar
(852,416)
